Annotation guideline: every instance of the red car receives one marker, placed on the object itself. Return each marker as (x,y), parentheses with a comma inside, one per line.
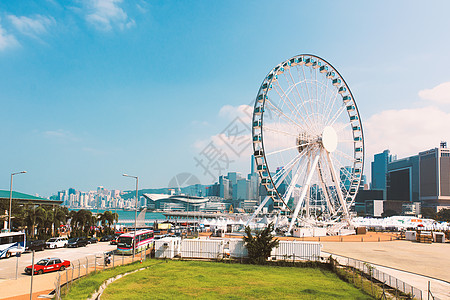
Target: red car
(48,265)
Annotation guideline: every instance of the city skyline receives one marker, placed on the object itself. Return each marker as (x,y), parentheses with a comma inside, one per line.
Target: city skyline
(95,89)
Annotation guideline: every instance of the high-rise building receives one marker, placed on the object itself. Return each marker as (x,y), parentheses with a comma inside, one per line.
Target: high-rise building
(233,177)
(224,187)
(379,170)
(402,180)
(435,176)
(243,189)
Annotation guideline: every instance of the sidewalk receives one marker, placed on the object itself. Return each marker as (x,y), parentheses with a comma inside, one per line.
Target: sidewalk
(439,288)
(20,288)
(45,283)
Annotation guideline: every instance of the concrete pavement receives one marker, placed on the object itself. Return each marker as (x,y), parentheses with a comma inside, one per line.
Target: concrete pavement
(411,262)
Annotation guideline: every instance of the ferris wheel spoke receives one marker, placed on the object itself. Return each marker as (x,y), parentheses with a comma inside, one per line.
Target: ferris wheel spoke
(324,99)
(284,115)
(341,128)
(336,115)
(344,155)
(266,128)
(331,104)
(285,149)
(286,168)
(308,92)
(299,96)
(346,141)
(293,106)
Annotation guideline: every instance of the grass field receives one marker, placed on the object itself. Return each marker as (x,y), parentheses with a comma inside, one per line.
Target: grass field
(212,280)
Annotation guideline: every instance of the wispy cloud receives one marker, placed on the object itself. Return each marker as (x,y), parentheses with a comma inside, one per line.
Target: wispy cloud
(93,151)
(105,15)
(242,111)
(7,40)
(32,26)
(438,94)
(60,134)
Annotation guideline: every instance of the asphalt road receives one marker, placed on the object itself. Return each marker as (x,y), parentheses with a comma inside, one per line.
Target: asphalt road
(8,266)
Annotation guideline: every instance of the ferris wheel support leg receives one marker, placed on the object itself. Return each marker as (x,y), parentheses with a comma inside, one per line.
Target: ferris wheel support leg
(338,188)
(279,181)
(304,190)
(324,189)
(257,210)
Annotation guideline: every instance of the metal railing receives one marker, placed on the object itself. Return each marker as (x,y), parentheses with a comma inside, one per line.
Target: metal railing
(92,263)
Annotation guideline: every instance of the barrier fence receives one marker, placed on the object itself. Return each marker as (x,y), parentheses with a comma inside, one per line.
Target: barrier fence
(396,287)
(98,262)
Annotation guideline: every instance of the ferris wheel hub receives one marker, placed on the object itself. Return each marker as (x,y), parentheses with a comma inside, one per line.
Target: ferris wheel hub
(329,139)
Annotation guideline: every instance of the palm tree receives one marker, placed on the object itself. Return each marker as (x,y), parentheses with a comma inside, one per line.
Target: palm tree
(108,218)
(35,217)
(81,221)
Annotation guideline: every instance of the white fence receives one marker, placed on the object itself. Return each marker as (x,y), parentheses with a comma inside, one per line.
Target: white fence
(199,248)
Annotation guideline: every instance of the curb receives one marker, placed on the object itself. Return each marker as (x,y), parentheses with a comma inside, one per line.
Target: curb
(107,282)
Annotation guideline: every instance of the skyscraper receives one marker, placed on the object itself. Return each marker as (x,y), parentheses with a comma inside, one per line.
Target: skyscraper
(379,170)
(435,176)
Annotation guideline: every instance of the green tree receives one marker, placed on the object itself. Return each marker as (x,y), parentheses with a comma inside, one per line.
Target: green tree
(428,213)
(81,222)
(35,218)
(443,215)
(260,245)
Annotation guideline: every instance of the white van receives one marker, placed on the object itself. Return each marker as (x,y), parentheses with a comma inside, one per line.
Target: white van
(56,242)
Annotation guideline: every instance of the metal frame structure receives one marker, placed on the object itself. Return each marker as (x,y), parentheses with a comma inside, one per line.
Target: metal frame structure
(306,125)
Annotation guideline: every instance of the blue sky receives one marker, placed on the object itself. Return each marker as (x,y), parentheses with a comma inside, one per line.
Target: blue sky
(93,89)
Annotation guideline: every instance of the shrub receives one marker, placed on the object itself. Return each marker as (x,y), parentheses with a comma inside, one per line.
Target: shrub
(260,245)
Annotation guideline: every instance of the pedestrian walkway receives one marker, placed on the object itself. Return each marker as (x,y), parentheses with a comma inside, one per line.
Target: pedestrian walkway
(45,283)
(439,288)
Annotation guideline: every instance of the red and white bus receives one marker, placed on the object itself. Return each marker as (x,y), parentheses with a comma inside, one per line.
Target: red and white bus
(126,241)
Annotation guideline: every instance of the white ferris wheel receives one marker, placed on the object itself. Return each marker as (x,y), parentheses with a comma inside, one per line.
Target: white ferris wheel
(308,141)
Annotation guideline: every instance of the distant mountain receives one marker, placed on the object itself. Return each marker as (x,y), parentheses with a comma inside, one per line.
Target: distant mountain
(191,190)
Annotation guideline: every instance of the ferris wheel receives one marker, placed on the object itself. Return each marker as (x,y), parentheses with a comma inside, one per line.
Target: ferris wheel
(308,141)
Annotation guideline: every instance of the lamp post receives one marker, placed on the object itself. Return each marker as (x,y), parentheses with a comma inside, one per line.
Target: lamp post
(135,210)
(10,198)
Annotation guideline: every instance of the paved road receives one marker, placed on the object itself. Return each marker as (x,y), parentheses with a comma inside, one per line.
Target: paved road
(8,266)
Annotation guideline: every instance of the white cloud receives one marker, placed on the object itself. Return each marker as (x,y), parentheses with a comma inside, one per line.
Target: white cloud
(33,27)
(242,111)
(439,94)
(106,14)
(7,40)
(60,134)
(406,132)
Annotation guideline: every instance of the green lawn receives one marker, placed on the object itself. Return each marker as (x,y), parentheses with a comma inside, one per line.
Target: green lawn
(212,280)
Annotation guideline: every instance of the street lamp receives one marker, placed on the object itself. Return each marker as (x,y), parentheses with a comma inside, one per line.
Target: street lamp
(135,210)
(10,198)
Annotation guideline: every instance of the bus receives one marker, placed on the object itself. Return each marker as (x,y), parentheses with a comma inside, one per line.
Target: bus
(144,240)
(11,243)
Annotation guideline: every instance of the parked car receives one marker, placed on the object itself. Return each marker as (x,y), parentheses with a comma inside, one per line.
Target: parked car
(56,242)
(48,265)
(77,242)
(92,240)
(106,238)
(37,245)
